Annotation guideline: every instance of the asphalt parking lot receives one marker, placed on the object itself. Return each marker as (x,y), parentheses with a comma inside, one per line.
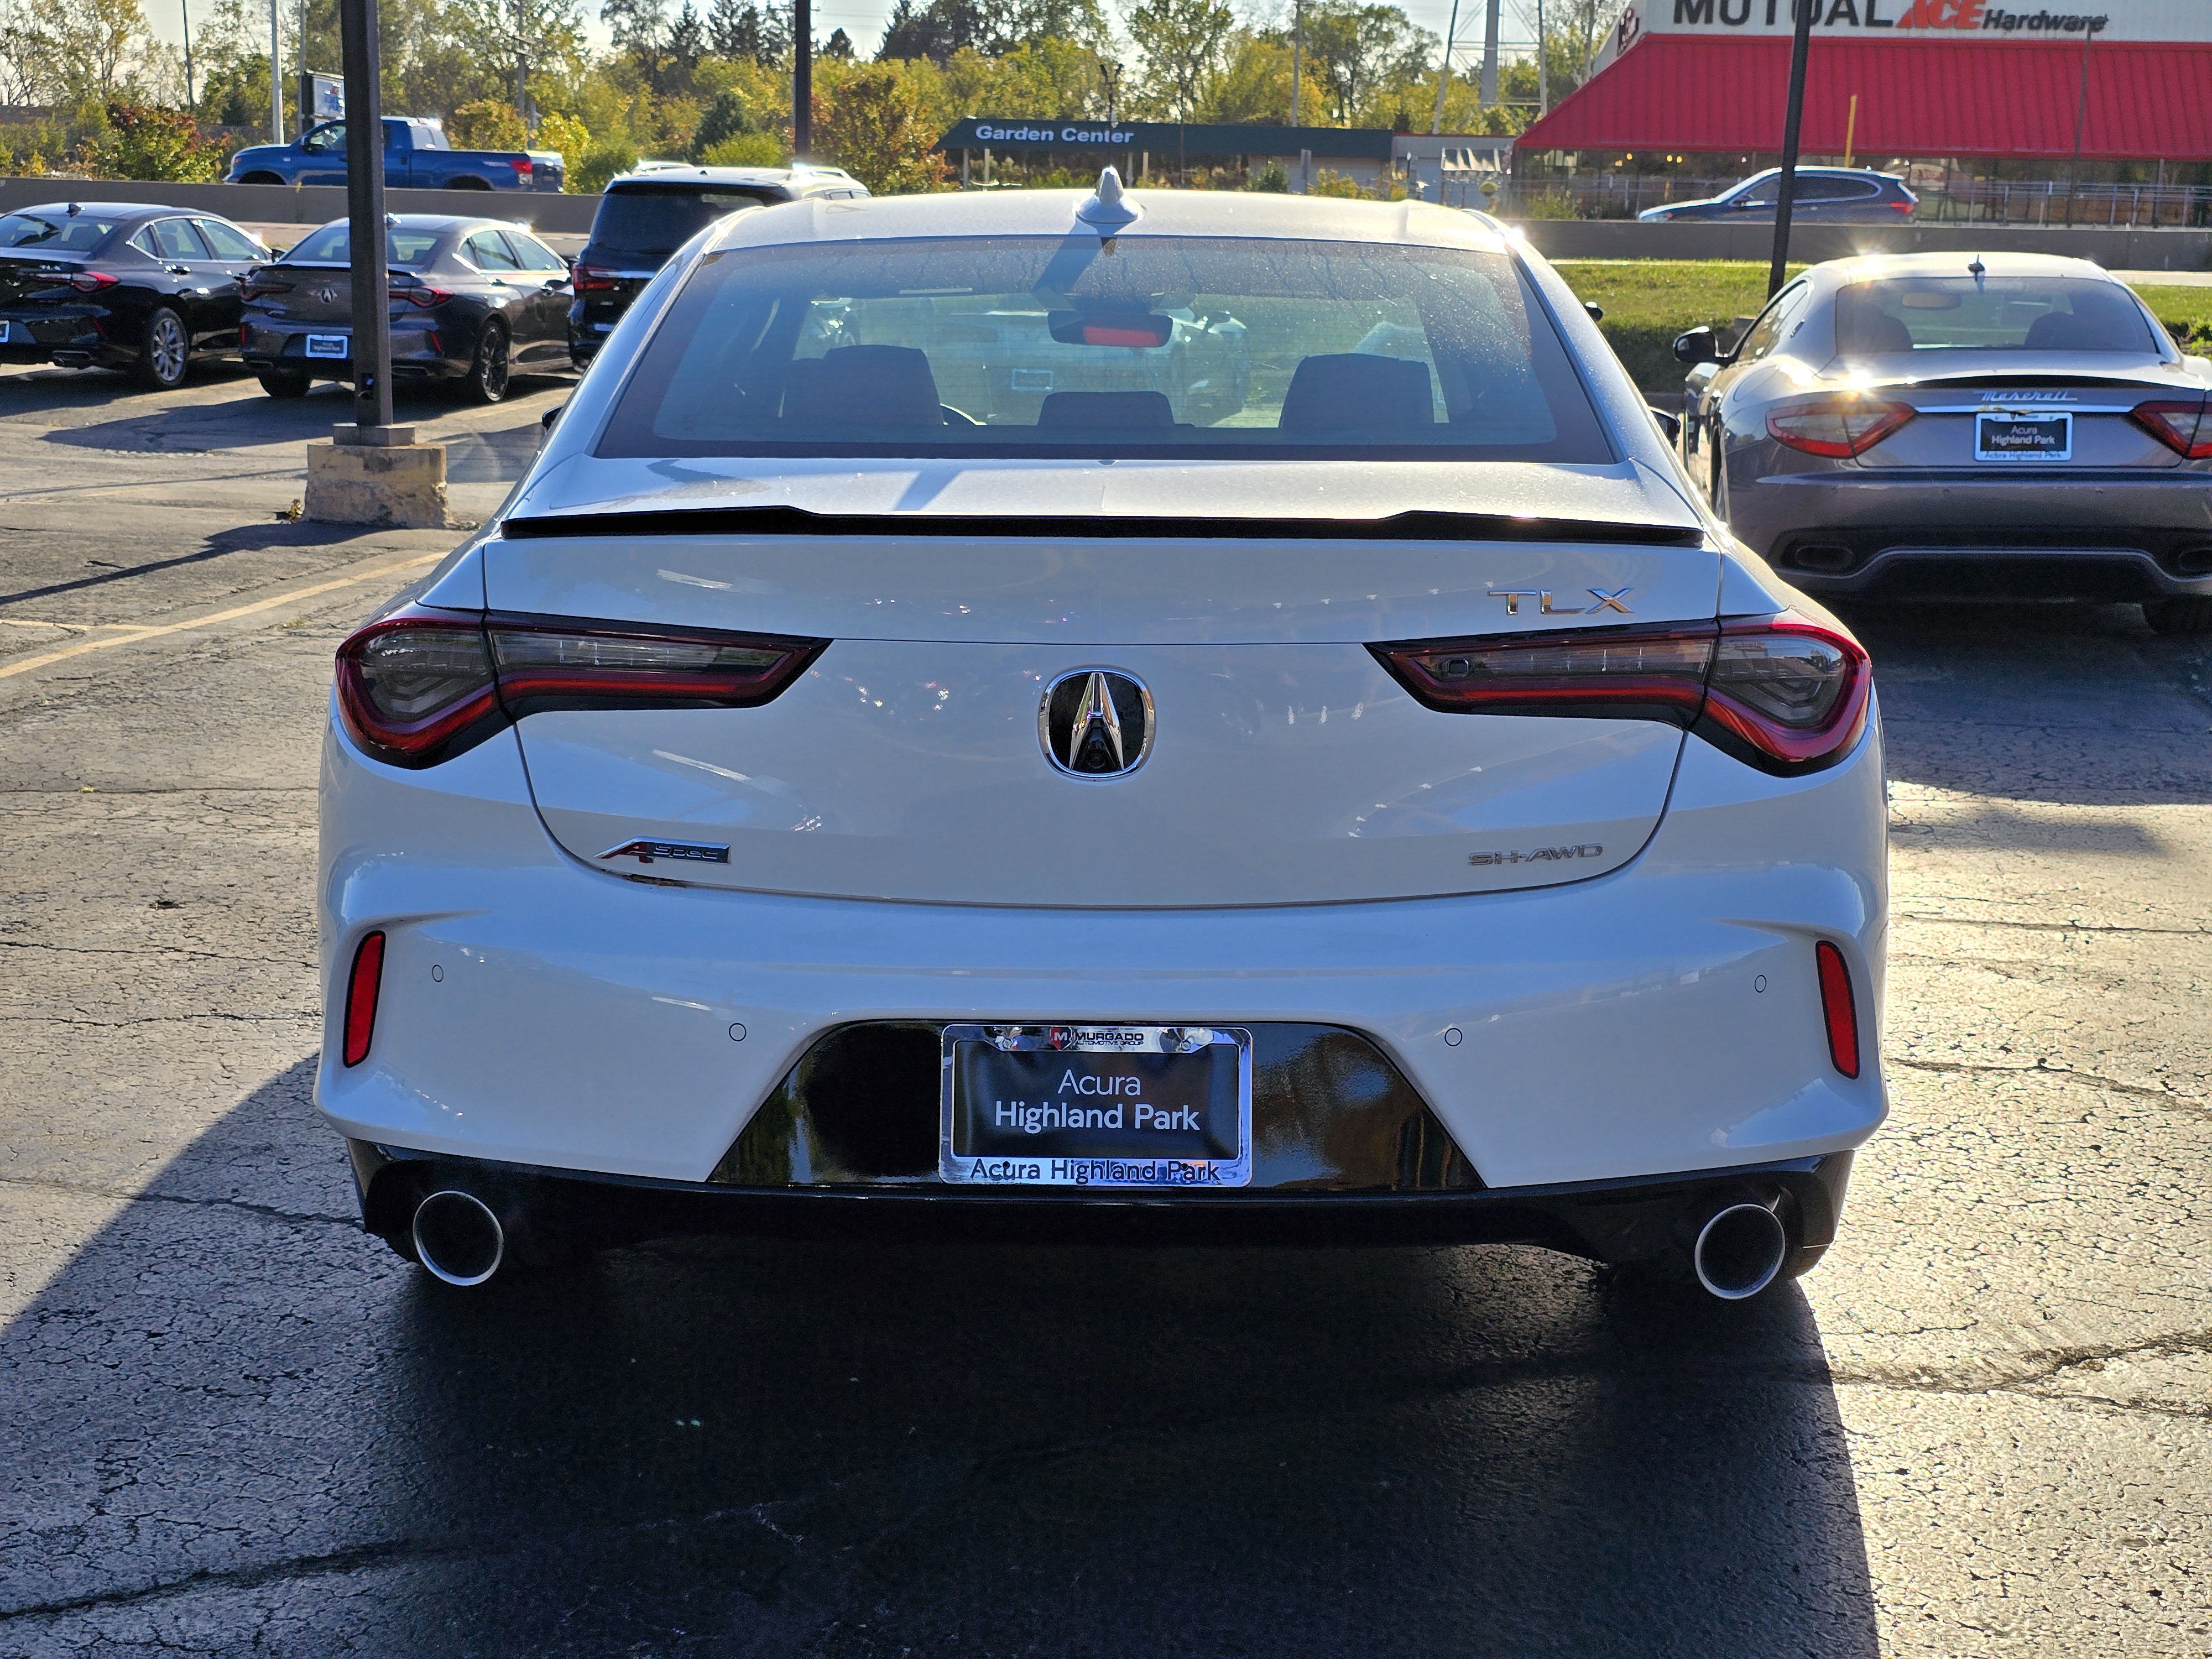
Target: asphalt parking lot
(231,1423)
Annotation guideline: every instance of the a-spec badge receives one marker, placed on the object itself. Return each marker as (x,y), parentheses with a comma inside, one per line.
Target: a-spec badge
(645,852)
(1608,598)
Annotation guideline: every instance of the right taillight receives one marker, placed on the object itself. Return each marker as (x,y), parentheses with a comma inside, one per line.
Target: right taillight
(1779,693)
(1838,1008)
(421,686)
(1839,426)
(592,279)
(2177,424)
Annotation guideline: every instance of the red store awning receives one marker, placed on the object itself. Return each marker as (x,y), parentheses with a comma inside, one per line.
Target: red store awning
(1917,98)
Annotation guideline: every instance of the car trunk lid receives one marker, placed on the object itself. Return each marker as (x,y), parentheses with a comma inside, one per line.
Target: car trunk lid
(28,279)
(909,760)
(2100,430)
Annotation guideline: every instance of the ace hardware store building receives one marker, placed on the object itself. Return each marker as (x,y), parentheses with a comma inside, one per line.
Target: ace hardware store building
(1994,111)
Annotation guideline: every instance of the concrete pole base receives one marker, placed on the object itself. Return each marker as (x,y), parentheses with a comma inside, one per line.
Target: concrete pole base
(376,476)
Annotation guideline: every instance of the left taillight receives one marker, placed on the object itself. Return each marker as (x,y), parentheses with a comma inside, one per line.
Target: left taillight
(1780,693)
(1838,427)
(362,986)
(422,686)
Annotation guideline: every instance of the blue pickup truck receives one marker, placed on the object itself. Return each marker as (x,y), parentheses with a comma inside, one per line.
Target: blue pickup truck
(415,157)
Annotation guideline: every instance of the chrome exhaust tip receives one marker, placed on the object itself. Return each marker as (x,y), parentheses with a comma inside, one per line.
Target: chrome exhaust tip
(458,1238)
(1740,1251)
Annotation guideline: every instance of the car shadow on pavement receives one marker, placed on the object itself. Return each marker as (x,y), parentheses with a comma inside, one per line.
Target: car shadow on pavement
(2062,704)
(231,1418)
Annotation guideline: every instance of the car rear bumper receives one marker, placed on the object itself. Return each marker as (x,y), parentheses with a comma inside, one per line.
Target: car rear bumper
(1636,1219)
(417,352)
(536,1011)
(2111,535)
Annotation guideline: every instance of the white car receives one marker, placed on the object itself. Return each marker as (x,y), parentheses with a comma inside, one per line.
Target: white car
(1392,810)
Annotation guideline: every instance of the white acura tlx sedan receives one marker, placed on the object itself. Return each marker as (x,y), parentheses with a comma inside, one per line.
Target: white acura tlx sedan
(877,773)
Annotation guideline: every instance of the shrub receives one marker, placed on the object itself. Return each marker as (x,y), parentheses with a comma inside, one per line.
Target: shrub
(746,149)
(602,160)
(488,124)
(1270,179)
(1329,182)
(163,144)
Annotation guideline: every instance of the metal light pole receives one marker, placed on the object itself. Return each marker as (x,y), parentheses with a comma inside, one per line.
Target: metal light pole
(191,96)
(276,78)
(1543,74)
(2080,118)
(372,305)
(1490,54)
(1800,45)
(1297,54)
(802,80)
(1443,75)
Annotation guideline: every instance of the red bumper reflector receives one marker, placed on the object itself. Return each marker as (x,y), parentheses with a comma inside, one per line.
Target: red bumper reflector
(1838,1007)
(361,987)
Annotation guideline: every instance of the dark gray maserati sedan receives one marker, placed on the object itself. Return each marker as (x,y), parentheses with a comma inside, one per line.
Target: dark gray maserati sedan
(2009,426)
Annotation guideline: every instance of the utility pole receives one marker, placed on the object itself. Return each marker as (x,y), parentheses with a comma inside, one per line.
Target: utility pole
(1490,54)
(303,101)
(802,80)
(1297,53)
(2080,118)
(372,307)
(1443,75)
(1785,193)
(276,78)
(191,96)
(1543,74)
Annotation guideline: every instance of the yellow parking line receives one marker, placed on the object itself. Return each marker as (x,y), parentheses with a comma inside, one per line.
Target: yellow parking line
(136,634)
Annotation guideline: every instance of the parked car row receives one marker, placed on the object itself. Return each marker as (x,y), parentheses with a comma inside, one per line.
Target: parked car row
(475,302)
(1941,425)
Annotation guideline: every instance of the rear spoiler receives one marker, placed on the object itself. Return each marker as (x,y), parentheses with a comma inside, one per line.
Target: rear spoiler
(1399,527)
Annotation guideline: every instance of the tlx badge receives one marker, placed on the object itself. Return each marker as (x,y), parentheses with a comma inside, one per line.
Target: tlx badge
(1608,598)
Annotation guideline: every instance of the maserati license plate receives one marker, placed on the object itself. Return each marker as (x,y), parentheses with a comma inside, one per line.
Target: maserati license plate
(329,345)
(1157,1106)
(2004,436)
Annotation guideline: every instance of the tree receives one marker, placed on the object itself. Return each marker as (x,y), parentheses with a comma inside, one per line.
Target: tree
(510,38)
(737,31)
(69,52)
(1357,51)
(872,124)
(1182,41)
(839,45)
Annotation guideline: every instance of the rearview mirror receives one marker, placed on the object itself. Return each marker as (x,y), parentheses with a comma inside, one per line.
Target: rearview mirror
(1698,346)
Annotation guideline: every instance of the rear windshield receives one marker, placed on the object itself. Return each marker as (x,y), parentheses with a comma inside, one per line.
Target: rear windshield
(333,246)
(1990,313)
(1138,347)
(54,232)
(662,220)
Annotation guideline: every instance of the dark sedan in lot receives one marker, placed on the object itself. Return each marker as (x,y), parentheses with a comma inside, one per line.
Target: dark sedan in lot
(1834,195)
(473,301)
(644,217)
(121,285)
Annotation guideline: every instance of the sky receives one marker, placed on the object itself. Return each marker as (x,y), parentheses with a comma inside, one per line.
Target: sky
(864,22)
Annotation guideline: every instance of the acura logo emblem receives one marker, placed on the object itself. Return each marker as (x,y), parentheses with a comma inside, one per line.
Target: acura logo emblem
(1095,723)
(325,296)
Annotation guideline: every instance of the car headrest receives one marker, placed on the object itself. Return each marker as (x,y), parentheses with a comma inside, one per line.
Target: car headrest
(2097,322)
(1119,410)
(863,386)
(1352,389)
(1862,331)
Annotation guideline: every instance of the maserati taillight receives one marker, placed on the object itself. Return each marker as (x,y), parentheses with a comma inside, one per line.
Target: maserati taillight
(1779,693)
(2177,424)
(422,686)
(1838,426)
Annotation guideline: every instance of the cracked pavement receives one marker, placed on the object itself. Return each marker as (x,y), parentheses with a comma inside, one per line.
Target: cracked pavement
(230,1423)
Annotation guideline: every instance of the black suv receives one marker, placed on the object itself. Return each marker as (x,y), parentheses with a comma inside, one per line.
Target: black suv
(646,216)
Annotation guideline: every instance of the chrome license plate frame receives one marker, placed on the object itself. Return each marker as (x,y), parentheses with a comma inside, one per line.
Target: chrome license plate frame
(1166,1107)
(2013,437)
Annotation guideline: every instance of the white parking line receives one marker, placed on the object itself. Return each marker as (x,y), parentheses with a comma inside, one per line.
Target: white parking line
(135,634)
